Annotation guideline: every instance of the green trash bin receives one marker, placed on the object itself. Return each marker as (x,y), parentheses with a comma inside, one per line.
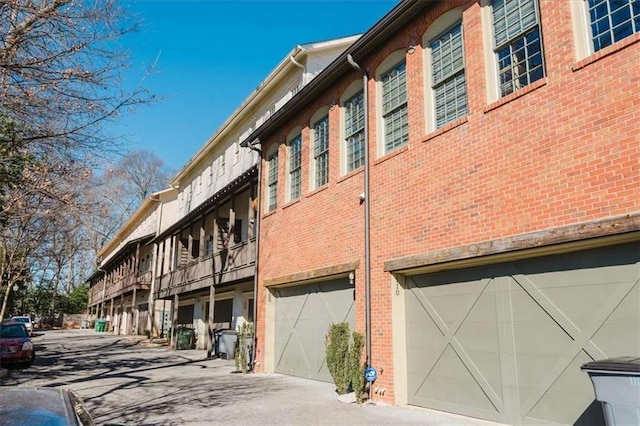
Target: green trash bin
(185,338)
(101,325)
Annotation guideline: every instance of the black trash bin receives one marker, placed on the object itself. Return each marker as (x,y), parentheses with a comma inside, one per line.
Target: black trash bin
(616,383)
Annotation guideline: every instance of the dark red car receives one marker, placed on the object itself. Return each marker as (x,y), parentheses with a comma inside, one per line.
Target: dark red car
(15,344)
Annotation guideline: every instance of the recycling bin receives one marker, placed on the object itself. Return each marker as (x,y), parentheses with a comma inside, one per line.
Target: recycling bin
(616,384)
(101,325)
(185,338)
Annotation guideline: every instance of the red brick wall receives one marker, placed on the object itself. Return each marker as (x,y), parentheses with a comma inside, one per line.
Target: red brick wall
(564,150)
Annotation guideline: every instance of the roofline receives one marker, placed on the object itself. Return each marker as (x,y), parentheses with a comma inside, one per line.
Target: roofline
(389,24)
(268,81)
(117,238)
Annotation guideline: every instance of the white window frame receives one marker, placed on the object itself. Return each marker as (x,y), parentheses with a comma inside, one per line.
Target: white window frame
(354,88)
(315,119)
(582,33)
(294,135)
(271,179)
(491,58)
(223,162)
(440,26)
(391,62)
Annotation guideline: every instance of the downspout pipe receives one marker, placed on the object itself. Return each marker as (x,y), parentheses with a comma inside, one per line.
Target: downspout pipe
(304,69)
(255,146)
(367,211)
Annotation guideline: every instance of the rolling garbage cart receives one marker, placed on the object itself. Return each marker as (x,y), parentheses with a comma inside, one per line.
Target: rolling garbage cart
(616,383)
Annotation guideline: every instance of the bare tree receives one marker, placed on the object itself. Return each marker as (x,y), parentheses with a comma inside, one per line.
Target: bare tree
(60,68)
(120,189)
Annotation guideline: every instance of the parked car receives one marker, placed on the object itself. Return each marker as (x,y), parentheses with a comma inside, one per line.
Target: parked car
(15,344)
(26,320)
(42,406)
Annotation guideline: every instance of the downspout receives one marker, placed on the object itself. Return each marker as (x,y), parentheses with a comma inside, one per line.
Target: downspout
(255,146)
(304,72)
(367,214)
(154,269)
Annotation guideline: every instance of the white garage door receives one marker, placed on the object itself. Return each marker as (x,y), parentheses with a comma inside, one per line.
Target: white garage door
(303,316)
(505,342)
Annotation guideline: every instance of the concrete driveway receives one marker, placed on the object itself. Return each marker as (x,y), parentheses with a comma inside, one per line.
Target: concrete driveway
(123,381)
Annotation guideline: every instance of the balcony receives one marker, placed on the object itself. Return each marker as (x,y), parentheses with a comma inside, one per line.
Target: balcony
(236,263)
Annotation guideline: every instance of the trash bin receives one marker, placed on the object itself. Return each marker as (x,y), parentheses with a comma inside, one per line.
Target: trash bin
(616,383)
(185,338)
(85,324)
(225,343)
(100,325)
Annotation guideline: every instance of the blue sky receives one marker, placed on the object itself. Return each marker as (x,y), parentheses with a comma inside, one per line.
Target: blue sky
(212,54)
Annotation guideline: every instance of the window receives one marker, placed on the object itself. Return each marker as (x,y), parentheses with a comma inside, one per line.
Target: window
(394,107)
(272,181)
(448,76)
(236,152)
(222,163)
(518,45)
(354,130)
(295,166)
(321,151)
(612,20)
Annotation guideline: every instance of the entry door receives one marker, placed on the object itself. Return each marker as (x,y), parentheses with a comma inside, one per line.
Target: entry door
(303,317)
(505,342)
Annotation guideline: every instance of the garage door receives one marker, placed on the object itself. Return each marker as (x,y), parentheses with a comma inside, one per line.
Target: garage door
(505,342)
(303,316)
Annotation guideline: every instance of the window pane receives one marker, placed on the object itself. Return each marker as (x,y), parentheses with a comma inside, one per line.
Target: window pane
(295,164)
(447,68)
(394,107)
(321,151)
(272,181)
(612,20)
(354,131)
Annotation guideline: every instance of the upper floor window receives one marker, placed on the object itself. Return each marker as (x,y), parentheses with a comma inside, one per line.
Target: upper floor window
(272,181)
(612,20)
(517,43)
(236,151)
(295,167)
(222,163)
(321,151)
(448,76)
(354,130)
(394,107)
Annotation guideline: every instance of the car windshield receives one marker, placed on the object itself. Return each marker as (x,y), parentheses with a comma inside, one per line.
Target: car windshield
(8,331)
(21,319)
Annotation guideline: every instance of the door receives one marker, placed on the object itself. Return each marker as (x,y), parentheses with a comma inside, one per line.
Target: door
(505,342)
(303,316)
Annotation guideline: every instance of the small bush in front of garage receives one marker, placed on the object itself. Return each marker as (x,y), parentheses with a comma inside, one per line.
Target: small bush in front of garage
(343,359)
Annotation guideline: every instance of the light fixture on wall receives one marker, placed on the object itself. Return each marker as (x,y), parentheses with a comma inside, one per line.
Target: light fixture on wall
(412,47)
(352,277)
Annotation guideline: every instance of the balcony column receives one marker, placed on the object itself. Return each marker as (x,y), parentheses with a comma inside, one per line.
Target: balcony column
(136,261)
(174,320)
(111,313)
(251,217)
(120,313)
(202,237)
(133,329)
(209,335)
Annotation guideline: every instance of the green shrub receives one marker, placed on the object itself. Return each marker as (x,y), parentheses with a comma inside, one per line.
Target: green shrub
(344,359)
(337,349)
(356,367)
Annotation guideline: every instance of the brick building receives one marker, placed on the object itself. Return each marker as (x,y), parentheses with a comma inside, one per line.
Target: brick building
(463,186)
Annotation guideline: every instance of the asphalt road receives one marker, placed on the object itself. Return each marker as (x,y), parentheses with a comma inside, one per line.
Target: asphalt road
(124,381)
